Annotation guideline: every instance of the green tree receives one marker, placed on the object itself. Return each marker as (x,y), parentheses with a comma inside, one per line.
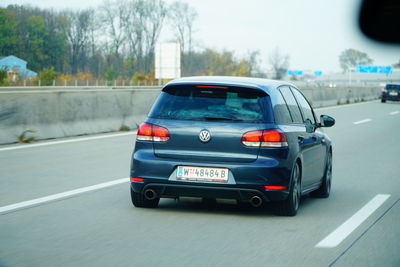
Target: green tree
(37,36)
(8,32)
(3,77)
(212,62)
(55,42)
(110,74)
(350,58)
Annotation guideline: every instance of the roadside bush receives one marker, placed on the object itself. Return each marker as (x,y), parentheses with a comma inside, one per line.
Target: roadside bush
(3,77)
(47,76)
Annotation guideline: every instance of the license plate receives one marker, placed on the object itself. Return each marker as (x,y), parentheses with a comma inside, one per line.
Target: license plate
(202,174)
(393,93)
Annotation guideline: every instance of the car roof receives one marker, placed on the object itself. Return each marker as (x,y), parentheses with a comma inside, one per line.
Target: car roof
(265,85)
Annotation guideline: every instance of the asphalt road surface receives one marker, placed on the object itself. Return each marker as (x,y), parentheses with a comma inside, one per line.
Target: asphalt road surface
(67,203)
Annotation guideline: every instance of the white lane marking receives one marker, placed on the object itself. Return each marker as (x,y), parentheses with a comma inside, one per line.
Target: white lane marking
(41,200)
(394,112)
(344,230)
(65,141)
(362,121)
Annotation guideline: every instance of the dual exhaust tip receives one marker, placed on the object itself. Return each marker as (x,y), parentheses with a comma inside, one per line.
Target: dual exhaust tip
(255,201)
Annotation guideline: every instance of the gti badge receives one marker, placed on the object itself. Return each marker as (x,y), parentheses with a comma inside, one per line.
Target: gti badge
(204,136)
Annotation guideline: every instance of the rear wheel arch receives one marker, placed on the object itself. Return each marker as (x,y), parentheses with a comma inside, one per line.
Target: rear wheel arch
(299,162)
(290,206)
(329,153)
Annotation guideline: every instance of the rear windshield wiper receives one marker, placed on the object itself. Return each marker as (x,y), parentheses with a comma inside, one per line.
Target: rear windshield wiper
(216,118)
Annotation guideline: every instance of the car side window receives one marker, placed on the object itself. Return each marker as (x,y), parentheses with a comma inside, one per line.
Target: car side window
(304,105)
(291,104)
(281,111)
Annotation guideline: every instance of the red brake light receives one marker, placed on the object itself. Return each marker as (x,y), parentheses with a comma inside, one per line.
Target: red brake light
(145,132)
(134,179)
(265,138)
(151,132)
(275,187)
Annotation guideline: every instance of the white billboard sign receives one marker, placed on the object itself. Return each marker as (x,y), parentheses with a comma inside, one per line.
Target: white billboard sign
(168,61)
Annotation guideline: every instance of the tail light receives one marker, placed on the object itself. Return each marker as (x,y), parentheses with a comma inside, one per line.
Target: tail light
(265,138)
(275,187)
(152,133)
(135,179)
(384,90)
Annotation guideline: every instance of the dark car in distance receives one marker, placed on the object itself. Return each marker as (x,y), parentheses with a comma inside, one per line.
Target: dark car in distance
(390,92)
(250,139)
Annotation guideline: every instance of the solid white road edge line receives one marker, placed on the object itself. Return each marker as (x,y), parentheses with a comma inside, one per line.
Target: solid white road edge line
(66,141)
(394,112)
(362,121)
(344,230)
(41,200)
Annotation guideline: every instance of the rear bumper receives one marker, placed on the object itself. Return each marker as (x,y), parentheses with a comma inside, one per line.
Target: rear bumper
(389,97)
(246,179)
(208,191)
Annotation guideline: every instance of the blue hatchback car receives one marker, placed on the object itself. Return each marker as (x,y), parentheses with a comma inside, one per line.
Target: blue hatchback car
(249,139)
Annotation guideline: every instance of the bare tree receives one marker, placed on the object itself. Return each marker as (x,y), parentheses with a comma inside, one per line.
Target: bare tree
(142,30)
(182,17)
(78,31)
(156,13)
(279,63)
(112,20)
(253,59)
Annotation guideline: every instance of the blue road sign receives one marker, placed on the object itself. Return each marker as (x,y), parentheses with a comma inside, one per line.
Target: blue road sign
(295,72)
(318,73)
(374,69)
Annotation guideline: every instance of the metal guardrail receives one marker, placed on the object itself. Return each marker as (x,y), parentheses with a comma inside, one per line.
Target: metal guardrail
(77,88)
(85,83)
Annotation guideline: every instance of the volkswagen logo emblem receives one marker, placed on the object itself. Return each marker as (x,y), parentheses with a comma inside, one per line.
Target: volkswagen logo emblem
(204,136)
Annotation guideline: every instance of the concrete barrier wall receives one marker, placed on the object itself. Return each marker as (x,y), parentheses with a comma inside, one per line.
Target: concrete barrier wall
(66,112)
(322,97)
(62,113)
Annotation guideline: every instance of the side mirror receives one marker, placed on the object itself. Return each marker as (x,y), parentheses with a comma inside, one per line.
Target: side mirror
(327,121)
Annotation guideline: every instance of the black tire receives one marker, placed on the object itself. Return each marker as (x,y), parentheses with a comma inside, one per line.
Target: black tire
(290,206)
(139,201)
(383,100)
(325,189)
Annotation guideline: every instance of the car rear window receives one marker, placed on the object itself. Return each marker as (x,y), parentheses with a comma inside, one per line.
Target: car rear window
(205,102)
(393,87)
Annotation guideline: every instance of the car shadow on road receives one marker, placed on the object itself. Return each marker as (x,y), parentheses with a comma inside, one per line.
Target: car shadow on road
(221,207)
(226,207)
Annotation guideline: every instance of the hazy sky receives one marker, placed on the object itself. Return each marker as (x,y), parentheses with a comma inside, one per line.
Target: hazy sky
(312,32)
